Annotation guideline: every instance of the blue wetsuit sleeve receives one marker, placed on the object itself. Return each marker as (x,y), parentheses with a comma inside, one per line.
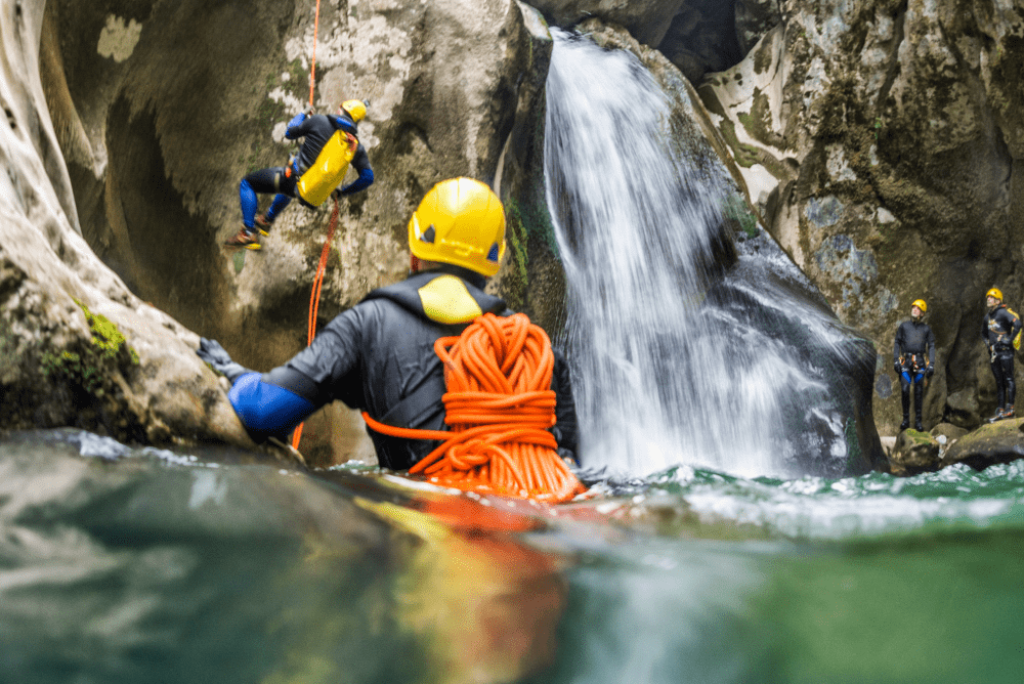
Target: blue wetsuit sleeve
(365,180)
(294,130)
(361,163)
(265,409)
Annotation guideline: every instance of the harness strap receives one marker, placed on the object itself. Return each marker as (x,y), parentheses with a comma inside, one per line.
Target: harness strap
(420,406)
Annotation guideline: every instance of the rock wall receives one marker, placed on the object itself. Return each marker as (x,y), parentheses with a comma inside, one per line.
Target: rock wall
(77,347)
(881,142)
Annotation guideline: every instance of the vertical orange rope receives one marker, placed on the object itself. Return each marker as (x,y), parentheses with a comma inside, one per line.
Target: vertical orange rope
(314,299)
(312,66)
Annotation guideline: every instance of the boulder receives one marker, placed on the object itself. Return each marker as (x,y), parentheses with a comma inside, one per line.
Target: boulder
(915,452)
(1000,442)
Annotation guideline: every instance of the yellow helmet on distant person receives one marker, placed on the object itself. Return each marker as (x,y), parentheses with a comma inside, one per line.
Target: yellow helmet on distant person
(355,108)
(995,292)
(920,303)
(460,221)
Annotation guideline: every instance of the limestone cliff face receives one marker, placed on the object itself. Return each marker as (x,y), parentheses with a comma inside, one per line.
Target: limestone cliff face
(76,346)
(881,141)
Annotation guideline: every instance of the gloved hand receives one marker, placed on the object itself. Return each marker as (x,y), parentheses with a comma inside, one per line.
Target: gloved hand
(929,371)
(212,353)
(308,111)
(897,368)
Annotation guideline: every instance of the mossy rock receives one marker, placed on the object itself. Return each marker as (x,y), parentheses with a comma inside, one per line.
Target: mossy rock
(915,452)
(1000,442)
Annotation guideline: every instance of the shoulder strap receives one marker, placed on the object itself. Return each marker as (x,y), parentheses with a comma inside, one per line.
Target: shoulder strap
(419,407)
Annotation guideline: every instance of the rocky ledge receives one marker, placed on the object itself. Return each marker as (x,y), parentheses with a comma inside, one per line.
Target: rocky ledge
(915,452)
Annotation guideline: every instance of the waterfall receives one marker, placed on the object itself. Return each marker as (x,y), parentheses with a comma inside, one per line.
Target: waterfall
(678,356)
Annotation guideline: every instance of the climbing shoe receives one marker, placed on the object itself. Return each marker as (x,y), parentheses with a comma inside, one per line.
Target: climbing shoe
(263,225)
(905,424)
(244,238)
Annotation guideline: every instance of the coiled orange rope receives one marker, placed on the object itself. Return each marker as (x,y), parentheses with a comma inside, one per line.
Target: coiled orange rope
(499,406)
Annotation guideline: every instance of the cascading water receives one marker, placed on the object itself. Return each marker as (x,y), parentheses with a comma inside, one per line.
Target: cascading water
(679,357)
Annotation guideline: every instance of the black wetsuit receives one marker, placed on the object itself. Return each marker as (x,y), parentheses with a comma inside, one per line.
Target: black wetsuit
(282,180)
(998,329)
(913,358)
(374,357)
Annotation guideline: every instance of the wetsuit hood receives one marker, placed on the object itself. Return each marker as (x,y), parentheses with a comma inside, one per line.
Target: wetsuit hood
(449,295)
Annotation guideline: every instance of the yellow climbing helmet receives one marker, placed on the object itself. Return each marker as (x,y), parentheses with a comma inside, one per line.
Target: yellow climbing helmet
(355,108)
(995,292)
(920,303)
(460,221)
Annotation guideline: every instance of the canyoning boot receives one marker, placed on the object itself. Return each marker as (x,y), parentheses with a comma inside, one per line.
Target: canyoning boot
(1007,413)
(998,416)
(918,426)
(244,238)
(263,225)
(905,424)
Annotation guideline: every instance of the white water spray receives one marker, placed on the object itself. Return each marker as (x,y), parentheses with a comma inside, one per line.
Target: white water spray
(670,365)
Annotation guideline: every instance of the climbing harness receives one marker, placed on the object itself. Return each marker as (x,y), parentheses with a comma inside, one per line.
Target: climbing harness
(499,407)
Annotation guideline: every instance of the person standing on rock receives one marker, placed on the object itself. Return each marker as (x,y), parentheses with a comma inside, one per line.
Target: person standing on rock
(379,356)
(913,359)
(1001,329)
(312,175)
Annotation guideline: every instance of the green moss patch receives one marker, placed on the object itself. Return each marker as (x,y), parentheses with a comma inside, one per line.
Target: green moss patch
(88,367)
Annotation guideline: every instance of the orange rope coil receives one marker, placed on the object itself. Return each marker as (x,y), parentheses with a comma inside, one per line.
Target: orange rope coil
(499,407)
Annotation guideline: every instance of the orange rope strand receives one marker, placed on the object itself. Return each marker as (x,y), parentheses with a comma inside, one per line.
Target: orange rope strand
(314,299)
(499,406)
(312,66)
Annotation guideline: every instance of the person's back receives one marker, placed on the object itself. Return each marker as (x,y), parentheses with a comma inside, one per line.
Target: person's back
(379,355)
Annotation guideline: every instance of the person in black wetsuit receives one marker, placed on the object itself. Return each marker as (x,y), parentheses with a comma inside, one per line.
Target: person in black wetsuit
(913,359)
(379,355)
(282,180)
(999,329)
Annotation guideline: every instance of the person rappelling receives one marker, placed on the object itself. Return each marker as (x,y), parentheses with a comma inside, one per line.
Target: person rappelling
(1000,329)
(392,356)
(331,145)
(913,359)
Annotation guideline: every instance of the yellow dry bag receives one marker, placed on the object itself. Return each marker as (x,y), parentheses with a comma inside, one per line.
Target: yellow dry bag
(329,169)
(1016,340)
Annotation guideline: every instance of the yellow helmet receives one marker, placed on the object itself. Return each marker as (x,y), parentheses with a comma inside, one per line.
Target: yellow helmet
(920,303)
(355,108)
(460,221)
(995,292)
